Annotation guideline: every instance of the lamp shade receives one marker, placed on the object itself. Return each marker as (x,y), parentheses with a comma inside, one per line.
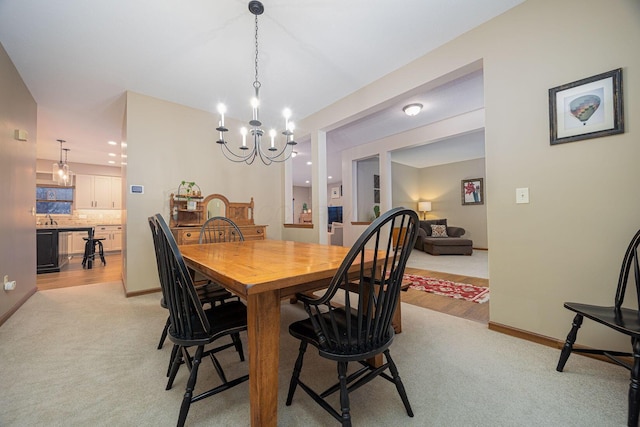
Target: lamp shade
(424,206)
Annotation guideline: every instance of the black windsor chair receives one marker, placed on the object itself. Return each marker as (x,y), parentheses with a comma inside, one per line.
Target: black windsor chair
(189,324)
(620,319)
(215,230)
(364,330)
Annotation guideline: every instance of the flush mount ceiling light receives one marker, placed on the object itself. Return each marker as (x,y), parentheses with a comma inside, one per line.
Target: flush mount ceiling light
(60,171)
(412,109)
(248,153)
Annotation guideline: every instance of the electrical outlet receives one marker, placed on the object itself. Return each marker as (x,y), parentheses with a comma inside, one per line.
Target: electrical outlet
(9,285)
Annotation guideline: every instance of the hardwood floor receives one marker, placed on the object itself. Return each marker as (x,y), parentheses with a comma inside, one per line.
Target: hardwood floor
(75,275)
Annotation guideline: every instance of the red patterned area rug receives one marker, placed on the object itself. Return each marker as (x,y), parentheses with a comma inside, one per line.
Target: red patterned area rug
(449,289)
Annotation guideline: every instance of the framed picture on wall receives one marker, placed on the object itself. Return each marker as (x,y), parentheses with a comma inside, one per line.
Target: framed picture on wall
(473,191)
(587,108)
(335,192)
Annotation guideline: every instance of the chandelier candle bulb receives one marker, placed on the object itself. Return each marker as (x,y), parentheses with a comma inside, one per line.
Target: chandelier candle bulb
(222,109)
(243,131)
(287,115)
(254,105)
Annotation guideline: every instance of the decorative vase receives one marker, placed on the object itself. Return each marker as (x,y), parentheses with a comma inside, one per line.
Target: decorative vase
(191,205)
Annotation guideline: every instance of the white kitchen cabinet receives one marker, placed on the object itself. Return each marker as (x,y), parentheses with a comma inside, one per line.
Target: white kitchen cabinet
(112,235)
(116,192)
(98,192)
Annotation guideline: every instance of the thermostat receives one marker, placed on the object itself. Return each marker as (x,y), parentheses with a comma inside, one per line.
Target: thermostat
(137,189)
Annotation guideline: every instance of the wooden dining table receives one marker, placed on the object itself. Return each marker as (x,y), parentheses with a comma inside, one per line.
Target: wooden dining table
(263,272)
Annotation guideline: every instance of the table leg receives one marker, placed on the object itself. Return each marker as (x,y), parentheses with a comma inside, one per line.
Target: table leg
(264,346)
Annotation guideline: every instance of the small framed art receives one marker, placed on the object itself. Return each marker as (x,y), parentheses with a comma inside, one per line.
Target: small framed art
(587,108)
(473,191)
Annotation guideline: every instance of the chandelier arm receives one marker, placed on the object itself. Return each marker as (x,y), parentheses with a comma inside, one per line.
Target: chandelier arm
(238,158)
(276,157)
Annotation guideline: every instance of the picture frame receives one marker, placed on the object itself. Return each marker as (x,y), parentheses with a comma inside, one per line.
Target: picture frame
(472,191)
(587,108)
(335,192)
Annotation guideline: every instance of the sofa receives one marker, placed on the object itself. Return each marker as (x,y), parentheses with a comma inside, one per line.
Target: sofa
(442,239)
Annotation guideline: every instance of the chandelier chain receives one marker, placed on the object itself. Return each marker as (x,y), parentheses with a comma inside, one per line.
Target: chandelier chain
(256,83)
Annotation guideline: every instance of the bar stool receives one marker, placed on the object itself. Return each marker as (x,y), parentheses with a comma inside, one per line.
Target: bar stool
(90,251)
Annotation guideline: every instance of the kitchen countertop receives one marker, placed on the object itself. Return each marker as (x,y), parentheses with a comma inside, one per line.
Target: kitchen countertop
(66,227)
(74,227)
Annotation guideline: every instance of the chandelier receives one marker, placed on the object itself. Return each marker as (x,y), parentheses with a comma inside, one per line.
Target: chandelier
(248,152)
(61,173)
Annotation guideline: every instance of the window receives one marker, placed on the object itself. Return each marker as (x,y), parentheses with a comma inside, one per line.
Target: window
(54,200)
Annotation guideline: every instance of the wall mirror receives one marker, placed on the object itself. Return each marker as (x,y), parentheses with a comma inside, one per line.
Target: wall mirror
(216,205)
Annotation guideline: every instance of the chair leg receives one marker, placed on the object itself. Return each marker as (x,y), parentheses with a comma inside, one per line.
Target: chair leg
(634,385)
(101,252)
(568,345)
(163,337)
(344,394)
(218,367)
(176,361)
(295,376)
(174,351)
(398,382)
(188,394)
(86,254)
(238,344)
(87,259)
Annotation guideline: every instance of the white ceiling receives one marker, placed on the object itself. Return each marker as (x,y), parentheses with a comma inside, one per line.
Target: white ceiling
(78,58)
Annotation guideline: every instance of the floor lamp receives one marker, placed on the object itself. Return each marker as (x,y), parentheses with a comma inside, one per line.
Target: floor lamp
(424,207)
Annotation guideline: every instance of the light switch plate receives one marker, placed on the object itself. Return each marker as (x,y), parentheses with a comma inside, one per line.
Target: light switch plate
(522,195)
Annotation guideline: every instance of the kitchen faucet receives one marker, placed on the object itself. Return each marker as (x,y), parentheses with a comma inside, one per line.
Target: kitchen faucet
(51,221)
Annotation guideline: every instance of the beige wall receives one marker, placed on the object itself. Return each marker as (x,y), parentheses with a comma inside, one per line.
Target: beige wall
(168,143)
(17,173)
(405,187)
(555,248)
(441,185)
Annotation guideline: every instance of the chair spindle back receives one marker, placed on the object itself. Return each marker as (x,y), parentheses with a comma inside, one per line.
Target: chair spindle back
(372,295)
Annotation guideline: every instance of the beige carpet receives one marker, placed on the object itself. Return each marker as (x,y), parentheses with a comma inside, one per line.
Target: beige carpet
(85,356)
(475,265)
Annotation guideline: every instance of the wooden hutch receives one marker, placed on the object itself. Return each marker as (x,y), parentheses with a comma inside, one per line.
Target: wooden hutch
(186,221)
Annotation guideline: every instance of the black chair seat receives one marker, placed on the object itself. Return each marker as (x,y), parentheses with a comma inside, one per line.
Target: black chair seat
(620,319)
(359,346)
(224,319)
(625,321)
